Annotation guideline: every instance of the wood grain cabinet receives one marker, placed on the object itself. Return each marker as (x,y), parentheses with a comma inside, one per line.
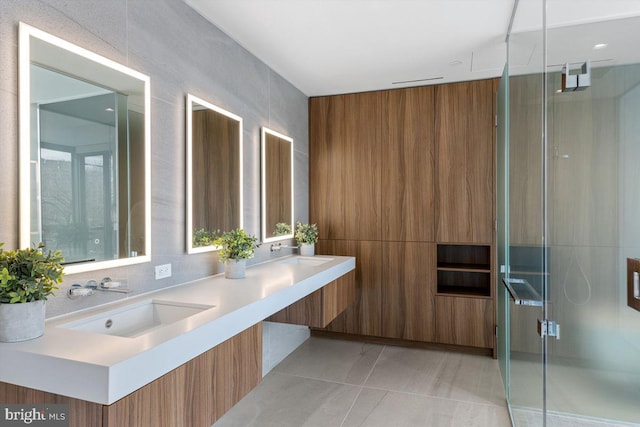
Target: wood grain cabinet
(464,128)
(195,394)
(344,143)
(465,321)
(408,164)
(407,305)
(364,316)
(318,309)
(393,175)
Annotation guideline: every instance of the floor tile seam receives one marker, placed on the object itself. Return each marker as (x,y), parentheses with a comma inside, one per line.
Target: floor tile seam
(373,366)
(346,415)
(492,405)
(318,379)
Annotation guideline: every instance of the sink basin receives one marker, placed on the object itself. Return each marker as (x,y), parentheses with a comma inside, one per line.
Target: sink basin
(136,319)
(308,261)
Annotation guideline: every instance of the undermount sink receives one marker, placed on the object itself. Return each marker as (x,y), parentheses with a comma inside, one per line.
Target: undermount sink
(138,319)
(308,261)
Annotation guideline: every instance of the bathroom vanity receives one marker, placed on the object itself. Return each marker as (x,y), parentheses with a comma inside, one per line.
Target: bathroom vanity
(185,370)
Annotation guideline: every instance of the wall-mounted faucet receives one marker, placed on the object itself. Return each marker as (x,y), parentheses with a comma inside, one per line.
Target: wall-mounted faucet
(77,290)
(277,247)
(106,285)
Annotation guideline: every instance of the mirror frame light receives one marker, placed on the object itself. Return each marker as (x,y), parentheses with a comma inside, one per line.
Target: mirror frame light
(191,99)
(26,33)
(263,185)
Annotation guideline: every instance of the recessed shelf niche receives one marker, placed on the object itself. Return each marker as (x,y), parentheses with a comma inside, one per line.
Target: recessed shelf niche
(464,270)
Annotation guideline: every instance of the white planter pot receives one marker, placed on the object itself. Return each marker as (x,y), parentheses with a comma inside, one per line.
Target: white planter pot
(307,249)
(235,268)
(21,322)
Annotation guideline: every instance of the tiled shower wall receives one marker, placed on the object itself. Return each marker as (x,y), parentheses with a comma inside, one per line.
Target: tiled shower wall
(182,53)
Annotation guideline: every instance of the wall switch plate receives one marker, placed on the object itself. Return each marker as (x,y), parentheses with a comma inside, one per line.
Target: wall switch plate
(163,271)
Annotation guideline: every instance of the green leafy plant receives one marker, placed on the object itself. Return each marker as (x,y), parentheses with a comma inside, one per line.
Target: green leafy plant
(306,233)
(236,244)
(282,229)
(203,237)
(28,275)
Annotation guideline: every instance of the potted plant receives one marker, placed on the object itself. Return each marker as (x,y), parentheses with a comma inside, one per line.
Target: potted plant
(236,246)
(27,278)
(306,236)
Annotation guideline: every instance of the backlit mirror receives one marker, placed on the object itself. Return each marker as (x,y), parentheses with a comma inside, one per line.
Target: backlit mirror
(277,186)
(214,173)
(84,154)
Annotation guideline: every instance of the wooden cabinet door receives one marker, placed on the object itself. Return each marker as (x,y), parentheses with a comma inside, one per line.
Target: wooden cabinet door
(364,316)
(408,308)
(408,164)
(465,321)
(319,308)
(326,165)
(465,162)
(344,168)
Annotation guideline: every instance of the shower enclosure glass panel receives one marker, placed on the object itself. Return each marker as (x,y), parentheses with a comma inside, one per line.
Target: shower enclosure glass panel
(573,155)
(502,311)
(593,139)
(527,212)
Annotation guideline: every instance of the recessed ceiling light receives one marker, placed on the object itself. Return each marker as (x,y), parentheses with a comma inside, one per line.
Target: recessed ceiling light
(454,63)
(600,46)
(109,109)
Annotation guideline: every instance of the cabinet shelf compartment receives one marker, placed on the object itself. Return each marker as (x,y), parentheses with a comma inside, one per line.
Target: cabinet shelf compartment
(465,257)
(466,283)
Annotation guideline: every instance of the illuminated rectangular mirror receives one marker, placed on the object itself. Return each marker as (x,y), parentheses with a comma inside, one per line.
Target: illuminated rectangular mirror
(84,154)
(277,186)
(214,173)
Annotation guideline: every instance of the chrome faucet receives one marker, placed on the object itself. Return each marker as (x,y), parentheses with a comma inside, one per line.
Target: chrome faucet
(107,285)
(277,247)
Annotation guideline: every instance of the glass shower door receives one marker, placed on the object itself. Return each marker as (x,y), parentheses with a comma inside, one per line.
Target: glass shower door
(573,151)
(593,203)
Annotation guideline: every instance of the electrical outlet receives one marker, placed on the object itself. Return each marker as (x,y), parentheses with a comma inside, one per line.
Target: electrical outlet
(163,271)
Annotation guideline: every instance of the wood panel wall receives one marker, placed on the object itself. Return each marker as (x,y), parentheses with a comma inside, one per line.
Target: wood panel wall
(392,174)
(346,137)
(408,165)
(408,309)
(465,180)
(451,327)
(364,316)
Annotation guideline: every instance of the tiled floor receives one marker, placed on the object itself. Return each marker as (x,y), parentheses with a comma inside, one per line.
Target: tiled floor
(336,383)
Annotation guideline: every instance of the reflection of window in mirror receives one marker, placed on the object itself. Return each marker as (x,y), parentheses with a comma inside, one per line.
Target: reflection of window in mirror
(277,186)
(84,154)
(214,173)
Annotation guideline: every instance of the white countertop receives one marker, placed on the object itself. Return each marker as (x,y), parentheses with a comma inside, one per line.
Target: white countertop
(103,368)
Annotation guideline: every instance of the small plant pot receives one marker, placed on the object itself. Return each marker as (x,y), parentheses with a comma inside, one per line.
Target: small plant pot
(22,321)
(235,268)
(307,249)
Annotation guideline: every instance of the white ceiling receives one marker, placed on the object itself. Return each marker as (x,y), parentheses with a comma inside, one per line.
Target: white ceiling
(328,47)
